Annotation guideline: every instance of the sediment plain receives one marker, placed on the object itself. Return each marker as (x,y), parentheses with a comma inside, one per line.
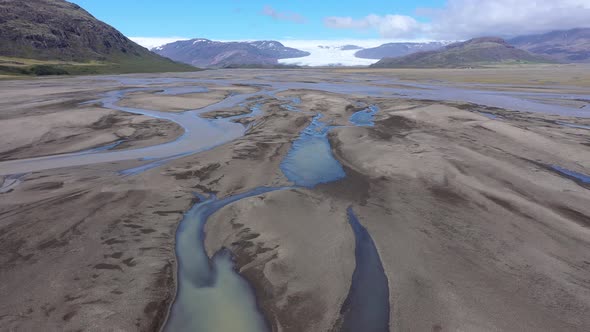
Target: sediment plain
(472,184)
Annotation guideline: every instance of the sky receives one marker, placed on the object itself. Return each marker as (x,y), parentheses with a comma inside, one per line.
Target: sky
(370,21)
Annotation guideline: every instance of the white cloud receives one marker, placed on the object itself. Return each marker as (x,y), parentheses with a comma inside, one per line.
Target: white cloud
(468,18)
(152,42)
(460,19)
(389,26)
(283,16)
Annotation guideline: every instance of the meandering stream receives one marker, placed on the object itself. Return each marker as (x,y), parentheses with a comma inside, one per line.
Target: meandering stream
(211,296)
(202,134)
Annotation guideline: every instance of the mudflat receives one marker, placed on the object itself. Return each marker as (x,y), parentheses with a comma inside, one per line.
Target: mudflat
(474,190)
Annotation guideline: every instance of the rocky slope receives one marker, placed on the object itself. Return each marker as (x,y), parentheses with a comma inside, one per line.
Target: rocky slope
(393,50)
(565,46)
(57,30)
(474,52)
(209,53)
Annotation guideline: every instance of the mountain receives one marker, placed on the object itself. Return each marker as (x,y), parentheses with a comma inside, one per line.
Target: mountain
(474,52)
(394,50)
(208,53)
(350,47)
(60,31)
(565,46)
(277,50)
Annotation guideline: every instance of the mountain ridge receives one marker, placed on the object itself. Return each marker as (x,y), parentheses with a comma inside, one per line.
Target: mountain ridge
(57,30)
(562,45)
(473,52)
(208,53)
(392,50)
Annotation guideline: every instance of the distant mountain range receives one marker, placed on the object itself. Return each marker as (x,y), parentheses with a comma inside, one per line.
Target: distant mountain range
(474,52)
(560,46)
(565,46)
(392,50)
(63,38)
(57,30)
(208,53)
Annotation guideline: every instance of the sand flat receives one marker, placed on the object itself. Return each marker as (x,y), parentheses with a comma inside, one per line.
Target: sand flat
(475,227)
(183,102)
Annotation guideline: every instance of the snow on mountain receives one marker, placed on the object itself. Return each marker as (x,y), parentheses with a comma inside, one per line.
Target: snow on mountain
(266,44)
(202,52)
(155,42)
(322,52)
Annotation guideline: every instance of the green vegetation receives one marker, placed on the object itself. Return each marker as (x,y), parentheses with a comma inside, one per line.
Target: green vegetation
(56,37)
(477,52)
(30,67)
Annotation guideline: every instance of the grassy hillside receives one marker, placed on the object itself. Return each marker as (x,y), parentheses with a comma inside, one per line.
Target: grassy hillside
(67,39)
(472,53)
(565,46)
(32,67)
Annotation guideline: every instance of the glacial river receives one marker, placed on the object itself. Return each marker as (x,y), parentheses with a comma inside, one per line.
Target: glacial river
(202,134)
(211,296)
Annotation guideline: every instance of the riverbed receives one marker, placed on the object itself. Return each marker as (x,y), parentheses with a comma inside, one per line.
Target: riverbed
(305,201)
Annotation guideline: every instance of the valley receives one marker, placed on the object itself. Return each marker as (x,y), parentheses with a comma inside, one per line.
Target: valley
(257,200)
(293,166)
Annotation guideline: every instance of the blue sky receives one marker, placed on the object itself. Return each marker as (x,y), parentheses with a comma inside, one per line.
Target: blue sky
(246,19)
(336,20)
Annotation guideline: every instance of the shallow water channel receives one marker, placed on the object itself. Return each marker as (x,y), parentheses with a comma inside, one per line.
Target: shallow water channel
(202,134)
(211,295)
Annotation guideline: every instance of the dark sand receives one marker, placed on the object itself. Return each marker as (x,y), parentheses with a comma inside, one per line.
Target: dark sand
(474,230)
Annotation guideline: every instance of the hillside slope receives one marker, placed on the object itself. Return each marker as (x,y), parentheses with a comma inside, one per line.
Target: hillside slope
(208,53)
(474,52)
(57,30)
(393,50)
(566,46)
